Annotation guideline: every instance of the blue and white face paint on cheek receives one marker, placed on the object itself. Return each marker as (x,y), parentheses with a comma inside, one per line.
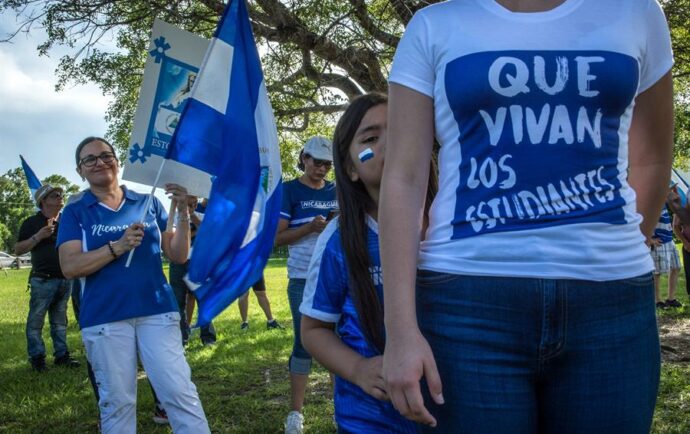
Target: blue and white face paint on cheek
(365,155)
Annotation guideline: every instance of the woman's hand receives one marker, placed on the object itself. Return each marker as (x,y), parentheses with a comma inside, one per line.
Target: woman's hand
(318,224)
(179,194)
(131,239)
(405,361)
(369,377)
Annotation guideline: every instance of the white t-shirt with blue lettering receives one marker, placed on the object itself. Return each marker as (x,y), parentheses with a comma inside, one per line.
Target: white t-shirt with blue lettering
(532,112)
(301,204)
(115,292)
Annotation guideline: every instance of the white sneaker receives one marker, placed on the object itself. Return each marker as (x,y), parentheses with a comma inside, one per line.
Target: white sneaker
(294,423)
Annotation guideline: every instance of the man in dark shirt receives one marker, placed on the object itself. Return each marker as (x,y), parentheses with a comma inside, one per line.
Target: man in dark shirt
(49,289)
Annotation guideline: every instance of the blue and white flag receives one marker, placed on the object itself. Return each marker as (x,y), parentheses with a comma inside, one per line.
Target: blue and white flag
(680,180)
(227,129)
(31,178)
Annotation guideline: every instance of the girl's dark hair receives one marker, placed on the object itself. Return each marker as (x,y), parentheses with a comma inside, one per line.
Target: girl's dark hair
(88,140)
(354,202)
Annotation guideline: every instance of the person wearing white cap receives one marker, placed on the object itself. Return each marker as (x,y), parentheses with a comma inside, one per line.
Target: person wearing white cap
(308,202)
(49,289)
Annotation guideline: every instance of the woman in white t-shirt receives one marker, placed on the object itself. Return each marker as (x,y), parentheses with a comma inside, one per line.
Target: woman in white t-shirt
(534,307)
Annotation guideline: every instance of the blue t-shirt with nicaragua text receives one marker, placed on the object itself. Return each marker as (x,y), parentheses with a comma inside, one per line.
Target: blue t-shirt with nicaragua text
(301,204)
(115,292)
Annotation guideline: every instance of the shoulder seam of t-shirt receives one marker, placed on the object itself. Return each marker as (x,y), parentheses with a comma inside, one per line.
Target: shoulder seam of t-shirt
(659,70)
(314,267)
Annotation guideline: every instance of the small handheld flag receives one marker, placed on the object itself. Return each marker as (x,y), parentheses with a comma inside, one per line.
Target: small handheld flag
(31,178)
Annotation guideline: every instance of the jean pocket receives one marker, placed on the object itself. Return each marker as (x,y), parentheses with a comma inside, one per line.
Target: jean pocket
(96,332)
(431,278)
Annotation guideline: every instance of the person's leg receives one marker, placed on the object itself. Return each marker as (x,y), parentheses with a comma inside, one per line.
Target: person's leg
(180,290)
(605,375)
(300,360)
(657,296)
(57,316)
(260,293)
(208,334)
(673,283)
(674,265)
(686,269)
(161,351)
(40,298)
(191,302)
(112,352)
(243,305)
(485,334)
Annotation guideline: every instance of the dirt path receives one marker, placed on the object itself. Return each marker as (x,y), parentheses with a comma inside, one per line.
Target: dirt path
(675,339)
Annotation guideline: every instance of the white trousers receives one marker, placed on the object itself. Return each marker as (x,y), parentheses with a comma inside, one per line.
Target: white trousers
(112,351)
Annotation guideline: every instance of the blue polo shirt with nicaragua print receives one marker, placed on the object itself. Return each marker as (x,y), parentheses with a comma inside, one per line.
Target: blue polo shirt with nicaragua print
(115,292)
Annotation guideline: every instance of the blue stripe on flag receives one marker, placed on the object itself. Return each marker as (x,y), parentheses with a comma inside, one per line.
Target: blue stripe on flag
(223,138)
(31,178)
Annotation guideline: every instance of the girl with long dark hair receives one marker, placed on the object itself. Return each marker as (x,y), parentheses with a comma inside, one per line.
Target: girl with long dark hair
(342,314)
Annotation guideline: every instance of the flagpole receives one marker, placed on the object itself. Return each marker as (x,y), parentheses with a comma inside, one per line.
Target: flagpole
(146,207)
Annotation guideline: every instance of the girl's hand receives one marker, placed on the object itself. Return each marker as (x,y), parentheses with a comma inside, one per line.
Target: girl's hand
(130,239)
(369,377)
(405,361)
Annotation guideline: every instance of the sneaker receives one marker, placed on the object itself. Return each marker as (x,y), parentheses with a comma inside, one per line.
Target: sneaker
(294,424)
(273,324)
(38,364)
(673,303)
(244,326)
(160,416)
(661,305)
(67,360)
(208,342)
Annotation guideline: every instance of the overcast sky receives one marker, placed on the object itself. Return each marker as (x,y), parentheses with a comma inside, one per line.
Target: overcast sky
(36,121)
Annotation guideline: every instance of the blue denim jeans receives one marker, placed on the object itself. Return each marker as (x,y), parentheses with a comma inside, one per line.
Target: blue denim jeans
(300,359)
(47,296)
(524,355)
(180,289)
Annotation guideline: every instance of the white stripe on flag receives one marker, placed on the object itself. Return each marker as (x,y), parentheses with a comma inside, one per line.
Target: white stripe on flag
(212,86)
(267,136)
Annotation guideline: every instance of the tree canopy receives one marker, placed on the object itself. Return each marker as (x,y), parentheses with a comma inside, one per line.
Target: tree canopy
(316,54)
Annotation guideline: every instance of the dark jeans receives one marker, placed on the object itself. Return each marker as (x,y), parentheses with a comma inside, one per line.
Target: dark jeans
(523,355)
(300,359)
(686,269)
(48,296)
(177,273)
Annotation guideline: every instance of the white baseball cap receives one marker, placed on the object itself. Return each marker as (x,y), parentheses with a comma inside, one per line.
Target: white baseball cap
(320,148)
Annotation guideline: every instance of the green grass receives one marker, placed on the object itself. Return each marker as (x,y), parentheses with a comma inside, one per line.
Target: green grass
(242,380)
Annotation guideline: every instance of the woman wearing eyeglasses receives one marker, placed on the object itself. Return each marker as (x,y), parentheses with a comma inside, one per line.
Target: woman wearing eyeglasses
(307,202)
(128,309)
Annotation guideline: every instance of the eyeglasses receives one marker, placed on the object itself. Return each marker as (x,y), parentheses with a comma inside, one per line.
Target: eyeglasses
(55,195)
(90,161)
(321,163)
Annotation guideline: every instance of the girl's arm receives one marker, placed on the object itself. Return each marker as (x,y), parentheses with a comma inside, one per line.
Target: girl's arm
(651,150)
(325,346)
(407,357)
